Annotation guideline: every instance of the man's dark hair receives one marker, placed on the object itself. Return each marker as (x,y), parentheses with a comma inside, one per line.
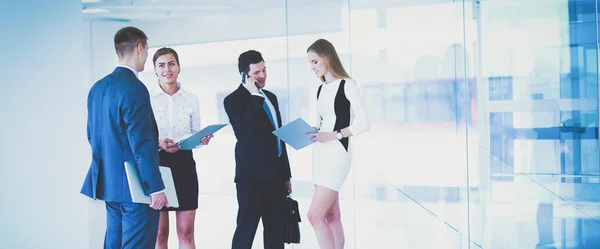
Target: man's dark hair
(165,51)
(247,58)
(126,39)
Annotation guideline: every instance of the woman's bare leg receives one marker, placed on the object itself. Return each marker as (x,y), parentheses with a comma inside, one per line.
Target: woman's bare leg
(335,223)
(162,239)
(321,203)
(185,229)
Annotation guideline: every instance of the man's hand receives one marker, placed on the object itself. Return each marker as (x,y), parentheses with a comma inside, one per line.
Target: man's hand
(168,145)
(251,85)
(289,186)
(158,201)
(206,140)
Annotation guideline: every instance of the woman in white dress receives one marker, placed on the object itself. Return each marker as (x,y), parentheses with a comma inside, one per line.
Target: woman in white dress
(342,115)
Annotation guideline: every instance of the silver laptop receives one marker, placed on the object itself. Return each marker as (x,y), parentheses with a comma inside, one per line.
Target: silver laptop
(137,192)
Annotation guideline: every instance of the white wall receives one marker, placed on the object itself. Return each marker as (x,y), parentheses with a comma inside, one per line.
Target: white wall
(102,49)
(44,152)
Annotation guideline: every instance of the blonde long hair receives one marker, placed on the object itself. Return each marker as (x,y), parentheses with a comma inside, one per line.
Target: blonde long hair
(325,49)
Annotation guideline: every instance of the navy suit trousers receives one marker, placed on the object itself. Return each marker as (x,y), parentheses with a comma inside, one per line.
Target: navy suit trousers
(130,225)
(258,200)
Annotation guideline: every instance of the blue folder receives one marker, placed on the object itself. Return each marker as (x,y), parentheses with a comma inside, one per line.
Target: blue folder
(294,134)
(194,140)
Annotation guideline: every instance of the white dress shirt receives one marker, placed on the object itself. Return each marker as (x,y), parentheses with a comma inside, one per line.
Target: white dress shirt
(178,115)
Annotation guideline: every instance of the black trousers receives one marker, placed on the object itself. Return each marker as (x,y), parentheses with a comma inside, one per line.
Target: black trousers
(258,200)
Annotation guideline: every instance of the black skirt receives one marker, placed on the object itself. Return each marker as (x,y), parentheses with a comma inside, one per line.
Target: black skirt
(185,177)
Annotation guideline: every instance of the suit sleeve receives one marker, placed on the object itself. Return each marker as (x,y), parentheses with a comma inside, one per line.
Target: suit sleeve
(89,117)
(284,161)
(89,133)
(139,122)
(243,114)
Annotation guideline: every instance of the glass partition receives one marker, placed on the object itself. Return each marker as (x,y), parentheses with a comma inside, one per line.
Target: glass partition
(538,125)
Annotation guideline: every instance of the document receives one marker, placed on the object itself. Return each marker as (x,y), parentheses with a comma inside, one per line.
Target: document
(137,192)
(191,142)
(294,134)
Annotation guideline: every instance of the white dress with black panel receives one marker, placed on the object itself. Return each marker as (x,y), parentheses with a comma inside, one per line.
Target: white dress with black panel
(339,105)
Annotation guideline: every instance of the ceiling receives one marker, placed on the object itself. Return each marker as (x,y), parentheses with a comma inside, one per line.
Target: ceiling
(153,10)
(156,10)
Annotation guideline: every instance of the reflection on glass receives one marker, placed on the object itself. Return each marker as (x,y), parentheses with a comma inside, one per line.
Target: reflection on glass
(539,62)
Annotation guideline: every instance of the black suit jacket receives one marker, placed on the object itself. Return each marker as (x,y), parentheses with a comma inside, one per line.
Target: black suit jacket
(256,148)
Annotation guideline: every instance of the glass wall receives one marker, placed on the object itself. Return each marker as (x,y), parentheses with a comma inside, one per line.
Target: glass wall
(538,107)
(484,120)
(410,170)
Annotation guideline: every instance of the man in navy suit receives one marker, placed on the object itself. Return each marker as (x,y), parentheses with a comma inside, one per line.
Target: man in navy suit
(121,127)
(262,173)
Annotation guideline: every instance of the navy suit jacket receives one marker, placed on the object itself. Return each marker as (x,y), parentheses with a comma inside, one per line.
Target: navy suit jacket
(256,148)
(121,127)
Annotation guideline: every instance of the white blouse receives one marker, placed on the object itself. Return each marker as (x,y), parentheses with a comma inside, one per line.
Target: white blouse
(177,116)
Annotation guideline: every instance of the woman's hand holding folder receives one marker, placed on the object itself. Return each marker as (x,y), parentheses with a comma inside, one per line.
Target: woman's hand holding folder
(168,145)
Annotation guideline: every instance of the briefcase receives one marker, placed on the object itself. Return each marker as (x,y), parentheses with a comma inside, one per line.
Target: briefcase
(292,220)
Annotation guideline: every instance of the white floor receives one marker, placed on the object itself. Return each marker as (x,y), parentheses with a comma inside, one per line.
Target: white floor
(428,158)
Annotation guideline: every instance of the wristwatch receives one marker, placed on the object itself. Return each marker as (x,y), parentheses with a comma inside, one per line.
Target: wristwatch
(339,135)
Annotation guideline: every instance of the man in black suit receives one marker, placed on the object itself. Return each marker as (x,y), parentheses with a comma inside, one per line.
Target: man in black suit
(262,173)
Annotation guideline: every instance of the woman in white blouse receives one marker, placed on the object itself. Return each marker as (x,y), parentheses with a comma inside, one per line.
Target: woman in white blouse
(177,115)
(342,115)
